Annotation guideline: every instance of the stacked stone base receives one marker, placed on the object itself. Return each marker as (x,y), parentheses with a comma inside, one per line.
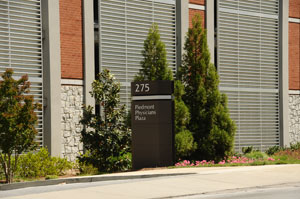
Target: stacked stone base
(294,118)
(71,111)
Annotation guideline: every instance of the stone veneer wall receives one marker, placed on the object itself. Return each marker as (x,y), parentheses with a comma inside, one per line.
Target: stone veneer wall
(71,105)
(294,117)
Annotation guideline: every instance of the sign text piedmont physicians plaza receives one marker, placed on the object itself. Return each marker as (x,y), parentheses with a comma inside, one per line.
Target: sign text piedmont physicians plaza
(142,111)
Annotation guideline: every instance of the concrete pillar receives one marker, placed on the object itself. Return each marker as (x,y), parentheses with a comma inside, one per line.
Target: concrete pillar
(88,50)
(210,26)
(51,76)
(284,71)
(182,26)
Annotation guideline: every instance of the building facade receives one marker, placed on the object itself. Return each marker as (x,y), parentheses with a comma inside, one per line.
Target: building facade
(63,44)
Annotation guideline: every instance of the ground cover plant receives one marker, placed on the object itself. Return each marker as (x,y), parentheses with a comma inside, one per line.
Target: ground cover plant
(282,155)
(40,165)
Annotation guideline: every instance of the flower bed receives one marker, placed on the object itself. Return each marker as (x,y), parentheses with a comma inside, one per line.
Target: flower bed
(231,161)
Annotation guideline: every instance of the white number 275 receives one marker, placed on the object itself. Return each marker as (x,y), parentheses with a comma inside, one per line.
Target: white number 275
(142,88)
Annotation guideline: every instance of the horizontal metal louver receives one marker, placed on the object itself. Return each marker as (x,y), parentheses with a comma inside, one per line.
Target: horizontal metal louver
(248,65)
(21,46)
(123,27)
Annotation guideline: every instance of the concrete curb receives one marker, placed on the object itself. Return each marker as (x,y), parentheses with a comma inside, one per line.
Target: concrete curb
(21,185)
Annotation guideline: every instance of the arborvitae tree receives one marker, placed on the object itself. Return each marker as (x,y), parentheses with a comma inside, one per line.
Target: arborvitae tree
(184,141)
(106,136)
(154,65)
(17,121)
(210,123)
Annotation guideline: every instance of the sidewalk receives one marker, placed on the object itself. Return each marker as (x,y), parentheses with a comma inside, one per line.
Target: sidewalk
(164,183)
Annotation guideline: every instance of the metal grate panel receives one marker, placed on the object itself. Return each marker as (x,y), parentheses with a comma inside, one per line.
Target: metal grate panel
(123,27)
(21,46)
(248,65)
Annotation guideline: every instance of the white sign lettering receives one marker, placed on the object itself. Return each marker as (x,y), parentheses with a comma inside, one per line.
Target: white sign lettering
(142,88)
(142,111)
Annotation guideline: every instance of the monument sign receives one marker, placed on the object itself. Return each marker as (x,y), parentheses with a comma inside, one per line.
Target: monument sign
(152,118)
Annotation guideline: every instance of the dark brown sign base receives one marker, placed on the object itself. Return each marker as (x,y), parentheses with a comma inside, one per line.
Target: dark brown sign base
(152,133)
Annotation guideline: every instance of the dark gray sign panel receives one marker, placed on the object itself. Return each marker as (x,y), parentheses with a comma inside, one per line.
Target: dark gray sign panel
(159,87)
(153,129)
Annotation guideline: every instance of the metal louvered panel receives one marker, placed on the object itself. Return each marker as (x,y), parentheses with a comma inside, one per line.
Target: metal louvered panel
(21,46)
(123,27)
(248,65)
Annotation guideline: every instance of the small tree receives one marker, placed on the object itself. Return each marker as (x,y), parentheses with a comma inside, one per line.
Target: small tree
(184,140)
(210,123)
(17,121)
(106,136)
(154,65)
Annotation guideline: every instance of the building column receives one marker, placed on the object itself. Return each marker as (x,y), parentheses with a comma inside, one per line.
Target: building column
(284,71)
(88,50)
(51,76)
(182,27)
(210,26)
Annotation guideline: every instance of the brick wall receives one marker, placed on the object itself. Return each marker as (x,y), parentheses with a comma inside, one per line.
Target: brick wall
(71,39)
(199,2)
(192,13)
(294,8)
(294,56)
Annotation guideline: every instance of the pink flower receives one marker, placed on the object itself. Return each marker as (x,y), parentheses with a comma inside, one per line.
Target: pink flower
(186,162)
(271,159)
(222,162)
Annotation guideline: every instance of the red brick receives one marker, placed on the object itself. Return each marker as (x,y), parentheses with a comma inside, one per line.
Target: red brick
(199,2)
(294,56)
(71,39)
(294,8)
(193,12)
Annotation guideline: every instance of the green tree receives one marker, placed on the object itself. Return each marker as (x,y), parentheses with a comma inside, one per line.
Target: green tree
(106,136)
(154,65)
(184,140)
(210,123)
(17,121)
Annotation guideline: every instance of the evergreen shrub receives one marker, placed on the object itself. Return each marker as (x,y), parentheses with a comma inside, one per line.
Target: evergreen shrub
(154,64)
(155,67)
(41,164)
(106,136)
(248,149)
(184,140)
(212,128)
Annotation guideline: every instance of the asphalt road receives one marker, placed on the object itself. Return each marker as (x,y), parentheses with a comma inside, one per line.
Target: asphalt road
(219,183)
(287,191)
